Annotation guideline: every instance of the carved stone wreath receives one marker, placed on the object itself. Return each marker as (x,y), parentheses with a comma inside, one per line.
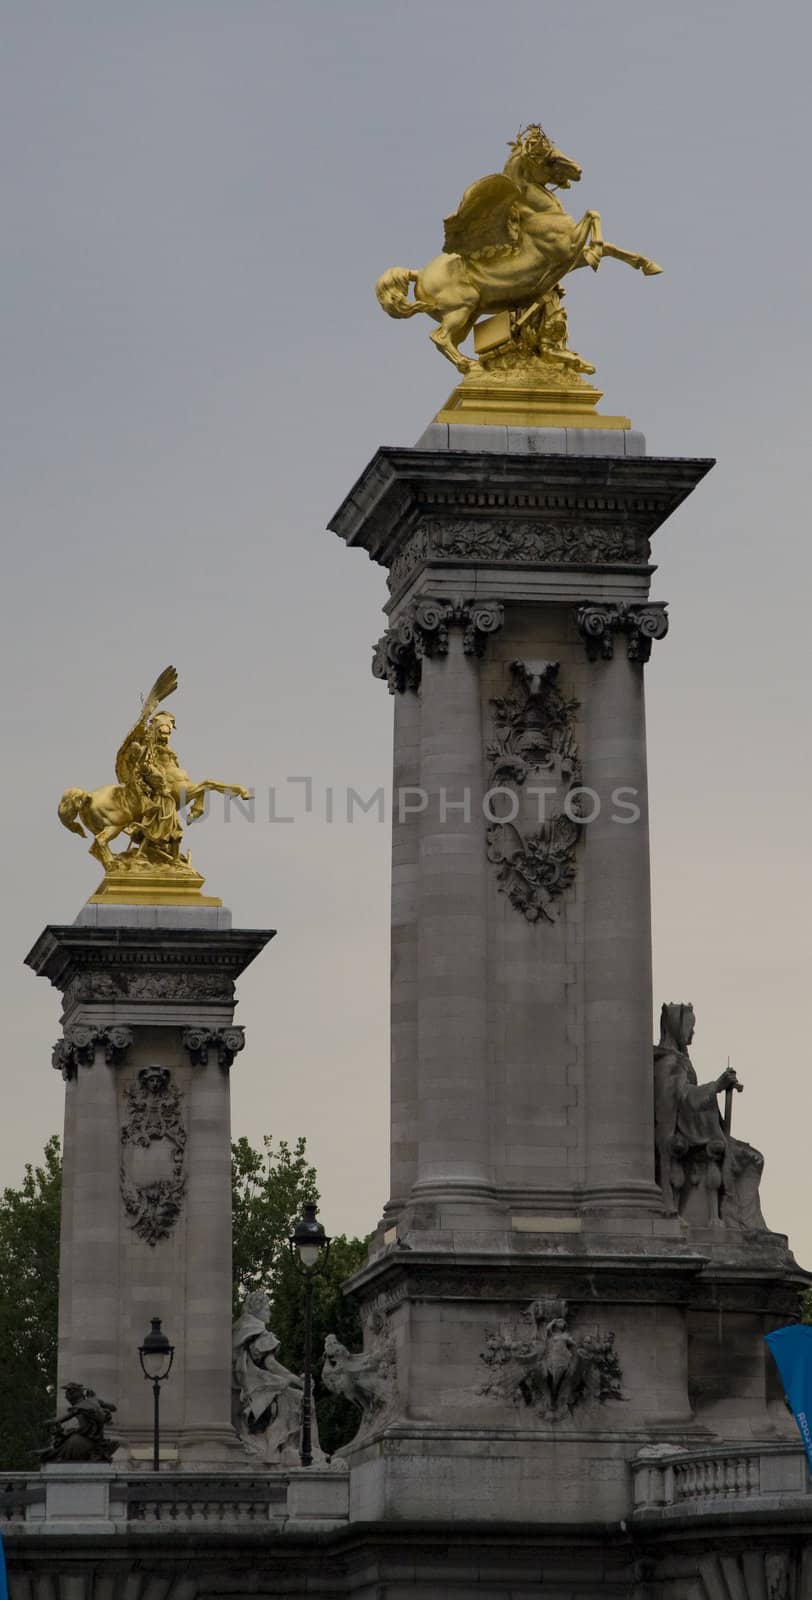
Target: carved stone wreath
(534,738)
(152,1197)
(541,1365)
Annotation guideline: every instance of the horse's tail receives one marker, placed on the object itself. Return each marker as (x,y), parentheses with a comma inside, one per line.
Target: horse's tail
(392,290)
(69,807)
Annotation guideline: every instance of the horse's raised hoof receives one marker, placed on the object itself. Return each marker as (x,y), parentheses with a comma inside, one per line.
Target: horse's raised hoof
(650,269)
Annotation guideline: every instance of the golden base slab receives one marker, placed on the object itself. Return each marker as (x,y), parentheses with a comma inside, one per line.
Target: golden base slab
(542,398)
(152,886)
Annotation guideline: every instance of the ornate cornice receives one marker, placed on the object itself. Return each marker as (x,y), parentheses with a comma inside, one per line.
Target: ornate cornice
(554,501)
(598,625)
(78,1045)
(422,630)
(226,1041)
(65,953)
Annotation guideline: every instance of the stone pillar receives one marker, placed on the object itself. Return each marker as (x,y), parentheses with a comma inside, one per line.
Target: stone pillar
(617,913)
(404,978)
(453,1155)
(148,1040)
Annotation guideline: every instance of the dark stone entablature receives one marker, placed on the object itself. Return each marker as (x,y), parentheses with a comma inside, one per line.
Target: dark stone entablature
(132,966)
(412,507)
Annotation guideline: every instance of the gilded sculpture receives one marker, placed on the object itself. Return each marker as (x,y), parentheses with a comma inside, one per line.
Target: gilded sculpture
(506,250)
(145,804)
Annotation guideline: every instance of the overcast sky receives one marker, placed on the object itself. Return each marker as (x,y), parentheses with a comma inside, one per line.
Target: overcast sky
(197,199)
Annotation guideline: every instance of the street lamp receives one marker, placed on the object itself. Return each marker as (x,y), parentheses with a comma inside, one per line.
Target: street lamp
(156,1355)
(310,1247)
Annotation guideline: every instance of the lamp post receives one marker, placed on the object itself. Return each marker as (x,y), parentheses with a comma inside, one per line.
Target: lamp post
(310,1247)
(156,1355)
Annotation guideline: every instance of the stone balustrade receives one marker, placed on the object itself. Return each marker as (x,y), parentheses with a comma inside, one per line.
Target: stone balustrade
(668,1479)
(98,1499)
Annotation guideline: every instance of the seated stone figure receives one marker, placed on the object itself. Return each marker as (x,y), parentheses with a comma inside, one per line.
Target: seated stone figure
(267,1397)
(78,1434)
(706,1175)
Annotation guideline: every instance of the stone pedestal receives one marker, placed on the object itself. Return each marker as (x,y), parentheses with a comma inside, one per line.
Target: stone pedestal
(148,1040)
(538,1316)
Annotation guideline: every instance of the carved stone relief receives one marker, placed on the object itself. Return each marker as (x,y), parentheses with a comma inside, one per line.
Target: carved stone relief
(153,1144)
(97,987)
(598,625)
(228,1042)
(422,630)
(534,846)
(540,1365)
(568,542)
(78,1045)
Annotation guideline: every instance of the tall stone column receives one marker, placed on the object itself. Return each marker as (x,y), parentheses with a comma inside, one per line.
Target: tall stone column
(148,1040)
(617,911)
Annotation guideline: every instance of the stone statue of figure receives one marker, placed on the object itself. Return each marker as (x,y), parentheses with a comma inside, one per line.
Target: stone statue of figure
(146,802)
(267,1397)
(78,1434)
(706,1175)
(365,1378)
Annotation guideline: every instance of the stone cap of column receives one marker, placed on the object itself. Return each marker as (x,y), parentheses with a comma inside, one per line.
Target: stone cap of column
(110,962)
(408,494)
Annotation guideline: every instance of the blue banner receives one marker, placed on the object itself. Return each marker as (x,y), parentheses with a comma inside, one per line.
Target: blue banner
(3,1582)
(792,1352)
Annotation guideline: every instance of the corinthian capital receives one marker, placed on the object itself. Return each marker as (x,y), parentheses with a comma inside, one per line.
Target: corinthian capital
(422,630)
(598,625)
(226,1041)
(77,1047)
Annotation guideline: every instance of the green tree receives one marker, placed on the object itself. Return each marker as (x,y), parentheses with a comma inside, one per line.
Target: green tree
(29,1279)
(806,1306)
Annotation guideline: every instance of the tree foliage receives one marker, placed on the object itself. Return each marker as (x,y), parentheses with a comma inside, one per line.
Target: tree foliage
(806,1306)
(29,1294)
(269,1188)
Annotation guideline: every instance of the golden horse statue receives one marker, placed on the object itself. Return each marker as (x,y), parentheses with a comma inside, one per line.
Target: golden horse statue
(147,800)
(506,248)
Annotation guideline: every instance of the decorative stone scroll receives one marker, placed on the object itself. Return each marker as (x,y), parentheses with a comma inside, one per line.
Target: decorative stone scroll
(228,1042)
(641,625)
(153,1144)
(534,846)
(77,1047)
(541,1366)
(422,630)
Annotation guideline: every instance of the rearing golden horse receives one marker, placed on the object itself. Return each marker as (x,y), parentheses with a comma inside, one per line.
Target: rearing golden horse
(506,247)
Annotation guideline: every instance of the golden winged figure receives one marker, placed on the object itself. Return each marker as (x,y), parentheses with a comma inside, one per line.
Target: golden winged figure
(145,803)
(506,249)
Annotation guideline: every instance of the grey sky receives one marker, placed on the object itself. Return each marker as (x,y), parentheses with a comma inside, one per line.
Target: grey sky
(197,199)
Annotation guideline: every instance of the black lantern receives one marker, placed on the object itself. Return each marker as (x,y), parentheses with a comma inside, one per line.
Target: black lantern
(156,1355)
(310,1247)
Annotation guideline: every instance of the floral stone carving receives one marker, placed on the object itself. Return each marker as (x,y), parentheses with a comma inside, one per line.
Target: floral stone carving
(533,844)
(542,1366)
(153,1144)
